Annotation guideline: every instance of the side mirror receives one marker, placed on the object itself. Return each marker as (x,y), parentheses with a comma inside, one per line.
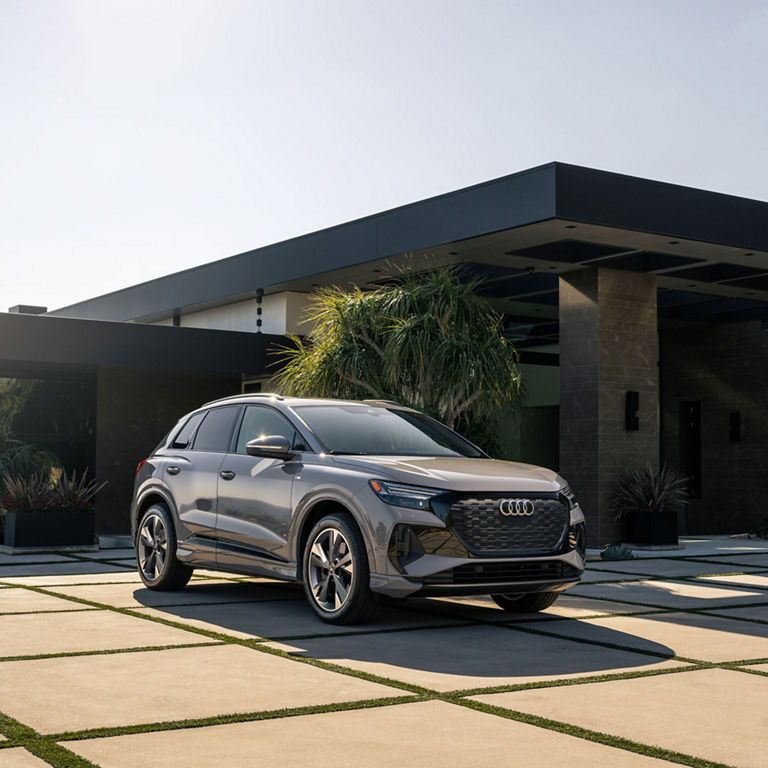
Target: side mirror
(270,446)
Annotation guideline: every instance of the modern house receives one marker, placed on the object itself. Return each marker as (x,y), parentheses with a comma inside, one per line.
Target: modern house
(639,309)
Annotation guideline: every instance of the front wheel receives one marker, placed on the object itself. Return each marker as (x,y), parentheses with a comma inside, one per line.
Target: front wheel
(156,551)
(526,603)
(336,573)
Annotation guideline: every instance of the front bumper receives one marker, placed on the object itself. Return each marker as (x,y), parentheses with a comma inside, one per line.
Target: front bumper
(464,545)
(438,575)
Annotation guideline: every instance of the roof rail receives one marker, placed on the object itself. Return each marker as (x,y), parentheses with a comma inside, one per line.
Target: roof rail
(247,394)
(385,402)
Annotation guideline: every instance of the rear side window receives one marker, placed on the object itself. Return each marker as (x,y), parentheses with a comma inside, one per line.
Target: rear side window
(187,432)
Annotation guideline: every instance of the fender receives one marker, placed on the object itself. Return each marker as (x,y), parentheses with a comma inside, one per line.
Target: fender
(309,502)
(152,488)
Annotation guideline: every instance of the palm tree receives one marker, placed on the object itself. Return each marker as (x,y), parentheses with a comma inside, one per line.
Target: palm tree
(427,341)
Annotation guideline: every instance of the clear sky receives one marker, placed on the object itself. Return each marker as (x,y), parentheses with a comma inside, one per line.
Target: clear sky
(142,137)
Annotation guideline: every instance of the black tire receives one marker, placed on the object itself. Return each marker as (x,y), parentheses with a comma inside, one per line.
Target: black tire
(336,573)
(526,603)
(156,551)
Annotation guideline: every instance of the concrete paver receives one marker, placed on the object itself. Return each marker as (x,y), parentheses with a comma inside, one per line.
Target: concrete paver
(749,612)
(22,559)
(592,575)
(691,635)
(76,573)
(671,594)
(423,734)
(20,600)
(473,657)
(18,757)
(121,553)
(284,618)
(179,683)
(37,633)
(760,581)
(713,714)
(758,560)
(671,569)
(136,595)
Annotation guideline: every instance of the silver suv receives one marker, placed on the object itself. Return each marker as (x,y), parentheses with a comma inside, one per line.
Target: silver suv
(356,500)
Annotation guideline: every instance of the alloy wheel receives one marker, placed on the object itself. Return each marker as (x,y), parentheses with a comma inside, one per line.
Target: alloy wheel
(152,546)
(331,569)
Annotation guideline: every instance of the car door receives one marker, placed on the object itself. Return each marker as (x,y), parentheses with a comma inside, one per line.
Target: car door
(191,472)
(255,493)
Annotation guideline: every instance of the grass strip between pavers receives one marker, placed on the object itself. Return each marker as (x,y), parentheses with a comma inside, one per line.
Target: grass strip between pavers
(617,742)
(53,610)
(568,681)
(104,651)
(47,749)
(20,735)
(242,717)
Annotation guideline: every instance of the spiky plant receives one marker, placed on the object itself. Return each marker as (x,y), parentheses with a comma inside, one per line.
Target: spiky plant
(427,341)
(649,491)
(73,493)
(26,493)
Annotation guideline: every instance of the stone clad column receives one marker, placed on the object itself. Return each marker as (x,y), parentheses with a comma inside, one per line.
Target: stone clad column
(608,346)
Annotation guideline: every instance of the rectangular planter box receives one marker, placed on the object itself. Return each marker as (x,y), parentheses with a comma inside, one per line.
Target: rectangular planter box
(49,529)
(655,530)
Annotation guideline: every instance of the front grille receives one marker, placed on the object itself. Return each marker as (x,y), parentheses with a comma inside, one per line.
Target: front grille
(484,530)
(504,573)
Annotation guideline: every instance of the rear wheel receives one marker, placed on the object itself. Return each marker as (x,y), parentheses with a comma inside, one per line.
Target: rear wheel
(336,573)
(526,603)
(156,551)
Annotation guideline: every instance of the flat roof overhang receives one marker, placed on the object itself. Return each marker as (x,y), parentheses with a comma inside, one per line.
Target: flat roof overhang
(518,233)
(44,341)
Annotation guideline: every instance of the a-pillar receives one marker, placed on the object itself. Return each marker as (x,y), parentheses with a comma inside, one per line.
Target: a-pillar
(608,347)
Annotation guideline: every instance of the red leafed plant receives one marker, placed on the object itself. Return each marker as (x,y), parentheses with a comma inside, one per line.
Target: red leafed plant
(36,492)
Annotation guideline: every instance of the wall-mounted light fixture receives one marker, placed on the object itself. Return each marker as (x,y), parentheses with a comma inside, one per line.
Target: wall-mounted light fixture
(734,423)
(631,411)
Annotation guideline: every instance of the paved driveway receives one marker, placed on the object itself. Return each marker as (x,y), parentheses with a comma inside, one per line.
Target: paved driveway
(656,661)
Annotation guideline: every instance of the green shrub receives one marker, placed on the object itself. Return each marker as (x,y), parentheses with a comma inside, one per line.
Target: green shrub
(761,530)
(616,552)
(20,459)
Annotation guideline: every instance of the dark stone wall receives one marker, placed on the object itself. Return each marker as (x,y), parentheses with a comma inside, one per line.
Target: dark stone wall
(725,368)
(608,345)
(135,409)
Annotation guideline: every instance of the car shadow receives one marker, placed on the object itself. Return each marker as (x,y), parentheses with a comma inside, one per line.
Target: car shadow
(447,641)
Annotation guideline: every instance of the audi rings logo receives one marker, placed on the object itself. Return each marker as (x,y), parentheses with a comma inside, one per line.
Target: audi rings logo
(516,507)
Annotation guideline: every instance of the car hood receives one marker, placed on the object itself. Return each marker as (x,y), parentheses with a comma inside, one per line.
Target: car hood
(457,474)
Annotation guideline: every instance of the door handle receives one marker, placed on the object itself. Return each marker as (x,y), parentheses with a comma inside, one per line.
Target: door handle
(173,470)
(227,474)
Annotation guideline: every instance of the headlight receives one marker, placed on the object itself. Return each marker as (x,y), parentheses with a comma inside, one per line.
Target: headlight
(400,495)
(565,490)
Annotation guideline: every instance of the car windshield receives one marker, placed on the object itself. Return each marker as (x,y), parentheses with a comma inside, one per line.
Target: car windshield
(377,431)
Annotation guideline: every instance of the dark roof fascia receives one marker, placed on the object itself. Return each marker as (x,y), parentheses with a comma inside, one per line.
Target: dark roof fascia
(626,202)
(46,341)
(554,190)
(511,201)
